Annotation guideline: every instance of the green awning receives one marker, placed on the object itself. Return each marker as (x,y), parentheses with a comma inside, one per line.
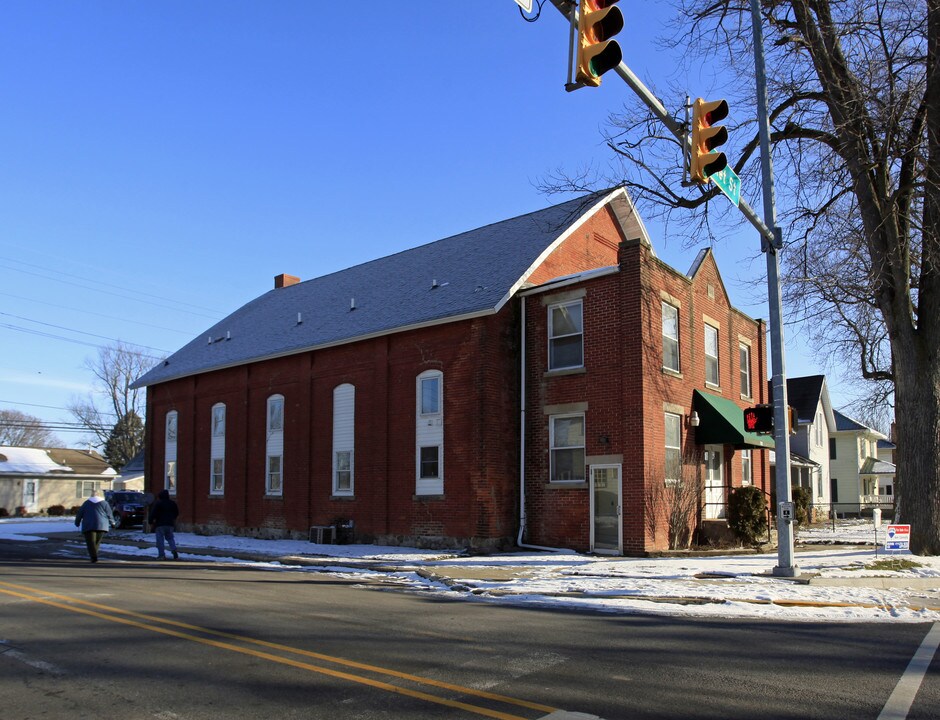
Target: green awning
(721,422)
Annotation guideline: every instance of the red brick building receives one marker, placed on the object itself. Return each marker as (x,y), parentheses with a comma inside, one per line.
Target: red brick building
(389,396)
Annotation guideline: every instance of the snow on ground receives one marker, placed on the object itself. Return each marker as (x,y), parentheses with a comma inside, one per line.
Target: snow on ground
(845,586)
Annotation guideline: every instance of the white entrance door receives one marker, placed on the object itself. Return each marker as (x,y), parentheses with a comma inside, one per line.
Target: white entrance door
(714,483)
(606,525)
(30,495)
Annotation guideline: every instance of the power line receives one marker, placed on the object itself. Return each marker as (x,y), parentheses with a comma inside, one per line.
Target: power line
(67,329)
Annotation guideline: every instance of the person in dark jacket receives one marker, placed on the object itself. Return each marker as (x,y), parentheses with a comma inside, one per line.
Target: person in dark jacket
(95,518)
(163,516)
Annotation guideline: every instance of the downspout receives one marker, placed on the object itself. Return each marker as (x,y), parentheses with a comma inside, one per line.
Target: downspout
(522,383)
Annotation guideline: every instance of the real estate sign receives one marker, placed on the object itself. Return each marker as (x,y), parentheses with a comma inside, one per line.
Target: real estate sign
(898,537)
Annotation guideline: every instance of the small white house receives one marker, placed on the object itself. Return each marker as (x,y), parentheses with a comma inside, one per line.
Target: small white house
(33,479)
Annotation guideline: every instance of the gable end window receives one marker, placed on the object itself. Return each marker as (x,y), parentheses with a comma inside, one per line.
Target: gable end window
(670,337)
(565,336)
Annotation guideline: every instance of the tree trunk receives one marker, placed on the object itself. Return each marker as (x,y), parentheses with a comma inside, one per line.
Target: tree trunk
(917,418)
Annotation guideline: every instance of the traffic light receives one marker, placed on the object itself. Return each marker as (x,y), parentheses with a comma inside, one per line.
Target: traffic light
(706,136)
(759,419)
(598,21)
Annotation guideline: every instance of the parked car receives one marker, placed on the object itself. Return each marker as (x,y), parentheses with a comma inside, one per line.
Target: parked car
(129,507)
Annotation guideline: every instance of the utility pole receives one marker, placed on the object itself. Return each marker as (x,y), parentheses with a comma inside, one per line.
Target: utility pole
(771,241)
(785,565)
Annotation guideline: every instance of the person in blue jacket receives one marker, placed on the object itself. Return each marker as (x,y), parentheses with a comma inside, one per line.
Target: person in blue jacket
(95,518)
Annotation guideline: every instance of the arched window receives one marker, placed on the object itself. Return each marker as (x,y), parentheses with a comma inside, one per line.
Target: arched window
(169,466)
(344,439)
(217,450)
(274,460)
(429,433)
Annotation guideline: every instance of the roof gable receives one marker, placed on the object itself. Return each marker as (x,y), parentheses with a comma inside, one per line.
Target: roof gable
(467,275)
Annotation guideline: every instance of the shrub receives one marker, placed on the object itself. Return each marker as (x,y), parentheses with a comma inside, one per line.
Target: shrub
(55,510)
(802,497)
(4,512)
(74,509)
(747,513)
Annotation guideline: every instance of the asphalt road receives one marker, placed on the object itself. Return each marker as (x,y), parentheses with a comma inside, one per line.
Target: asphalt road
(188,641)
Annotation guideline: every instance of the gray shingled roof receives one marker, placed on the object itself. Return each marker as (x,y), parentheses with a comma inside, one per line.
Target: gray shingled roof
(476,273)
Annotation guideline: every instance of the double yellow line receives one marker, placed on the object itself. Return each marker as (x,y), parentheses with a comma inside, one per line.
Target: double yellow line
(177,629)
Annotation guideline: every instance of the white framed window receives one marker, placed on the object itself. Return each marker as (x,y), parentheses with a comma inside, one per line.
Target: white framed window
(744,353)
(670,337)
(274,446)
(711,355)
(344,438)
(819,429)
(673,466)
(170,445)
(566,444)
(429,433)
(565,336)
(217,450)
(85,488)
(747,468)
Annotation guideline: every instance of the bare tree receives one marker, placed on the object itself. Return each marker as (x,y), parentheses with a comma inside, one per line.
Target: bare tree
(114,405)
(19,429)
(674,503)
(854,98)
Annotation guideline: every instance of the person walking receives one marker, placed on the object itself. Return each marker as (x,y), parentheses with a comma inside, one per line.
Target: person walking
(95,518)
(162,518)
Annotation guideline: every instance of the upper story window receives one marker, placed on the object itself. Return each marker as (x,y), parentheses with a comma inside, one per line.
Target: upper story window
(217,451)
(565,336)
(429,433)
(566,442)
(745,355)
(169,467)
(670,337)
(430,394)
(832,449)
(711,355)
(274,447)
(344,438)
(819,429)
(673,466)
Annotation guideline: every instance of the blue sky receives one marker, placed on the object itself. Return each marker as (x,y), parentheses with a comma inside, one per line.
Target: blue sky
(163,161)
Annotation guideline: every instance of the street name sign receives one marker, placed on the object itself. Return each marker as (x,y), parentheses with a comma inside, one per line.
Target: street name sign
(729,182)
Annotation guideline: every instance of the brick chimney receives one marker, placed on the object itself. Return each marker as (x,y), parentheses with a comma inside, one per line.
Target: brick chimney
(283,280)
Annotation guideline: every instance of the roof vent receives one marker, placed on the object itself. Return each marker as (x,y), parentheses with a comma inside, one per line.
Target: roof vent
(284,280)
(433,283)
(352,303)
(300,318)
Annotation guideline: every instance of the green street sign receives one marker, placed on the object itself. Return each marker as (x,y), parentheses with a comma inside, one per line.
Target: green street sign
(729,183)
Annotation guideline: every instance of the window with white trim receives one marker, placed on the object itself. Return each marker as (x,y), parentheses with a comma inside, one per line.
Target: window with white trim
(673,465)
(744,353)
(217,451)
(85,488)
(565,336)
(819,429)
(274,446)
(747,468)
(344,438)
(169,467)
(566,444)
(670,337)
(429,433)
(711,355)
